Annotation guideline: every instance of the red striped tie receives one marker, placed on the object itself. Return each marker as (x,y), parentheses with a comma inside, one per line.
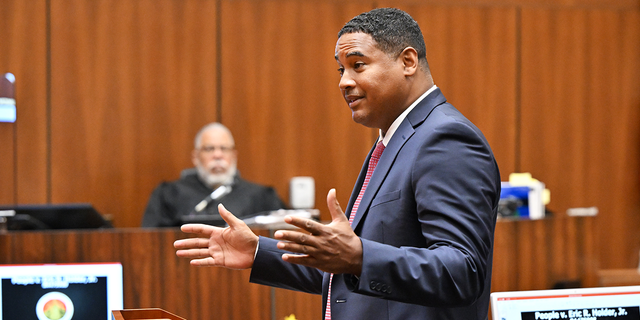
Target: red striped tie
(373,162)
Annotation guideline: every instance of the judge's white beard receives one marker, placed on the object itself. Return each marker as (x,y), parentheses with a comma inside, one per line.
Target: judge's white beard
(213,180)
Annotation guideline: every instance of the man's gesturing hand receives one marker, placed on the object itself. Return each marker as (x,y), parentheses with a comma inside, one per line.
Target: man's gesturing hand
(231,247)
(331,248)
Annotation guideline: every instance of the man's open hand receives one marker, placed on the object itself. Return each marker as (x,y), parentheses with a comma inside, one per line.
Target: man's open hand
(231,247)
(331,248)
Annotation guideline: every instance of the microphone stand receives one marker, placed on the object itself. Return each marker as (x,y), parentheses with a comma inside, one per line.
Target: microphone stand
(218,193)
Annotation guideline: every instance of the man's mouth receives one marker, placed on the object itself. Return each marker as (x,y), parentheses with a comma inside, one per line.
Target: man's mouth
(217,168)
(352,100)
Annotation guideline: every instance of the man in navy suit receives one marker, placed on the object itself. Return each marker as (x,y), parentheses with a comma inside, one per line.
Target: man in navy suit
(417,238)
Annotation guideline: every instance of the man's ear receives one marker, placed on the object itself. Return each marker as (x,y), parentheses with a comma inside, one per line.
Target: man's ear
(194,157)
(409,57)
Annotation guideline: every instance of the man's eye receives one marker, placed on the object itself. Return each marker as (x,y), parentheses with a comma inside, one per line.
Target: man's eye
(358,65)
(340,71)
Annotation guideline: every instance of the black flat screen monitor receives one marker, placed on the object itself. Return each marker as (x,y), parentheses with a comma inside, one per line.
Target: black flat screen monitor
(82,291)
(55,216)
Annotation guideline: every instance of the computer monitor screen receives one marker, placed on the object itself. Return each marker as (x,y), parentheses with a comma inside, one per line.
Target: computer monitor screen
(55,216)
(60,291)
(601,303)
(7,100)
(7,110)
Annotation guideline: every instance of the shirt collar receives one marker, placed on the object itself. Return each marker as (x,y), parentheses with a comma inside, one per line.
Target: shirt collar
(396,123)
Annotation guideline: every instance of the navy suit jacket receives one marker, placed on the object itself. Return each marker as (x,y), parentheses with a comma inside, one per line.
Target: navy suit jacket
(426,222)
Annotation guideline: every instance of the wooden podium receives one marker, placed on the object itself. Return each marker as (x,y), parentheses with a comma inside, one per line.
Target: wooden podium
(148,314)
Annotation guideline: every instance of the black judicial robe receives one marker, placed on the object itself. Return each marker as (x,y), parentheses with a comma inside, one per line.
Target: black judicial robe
(171,200)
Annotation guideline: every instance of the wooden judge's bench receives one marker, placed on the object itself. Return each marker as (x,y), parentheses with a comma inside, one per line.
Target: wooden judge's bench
(528,255)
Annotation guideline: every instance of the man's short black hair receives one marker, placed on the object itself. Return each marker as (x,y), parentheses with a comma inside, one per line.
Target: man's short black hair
(392,29)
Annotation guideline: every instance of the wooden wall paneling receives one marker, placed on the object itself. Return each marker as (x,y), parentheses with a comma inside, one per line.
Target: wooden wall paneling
(302,305)
(472,53)
(558,261)
(6,249)
(280,95)
(153,275)
(573,260)
(95,250)
(588,252)
(244,294)
(178,269)
(571,255)
(626,137)
(218,293)
(597,4)
(23,149)
(34,248)
(142,270)
(540,254)
(600,4)
(525,255)
(196,293)
(580,111)
(132,82)
(564,260)
(206,286)
(541,240)
(504,275)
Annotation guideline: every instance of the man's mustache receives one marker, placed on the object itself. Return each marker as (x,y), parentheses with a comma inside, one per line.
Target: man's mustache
(215,164)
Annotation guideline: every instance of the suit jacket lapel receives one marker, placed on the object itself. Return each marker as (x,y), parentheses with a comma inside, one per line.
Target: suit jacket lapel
(400,137)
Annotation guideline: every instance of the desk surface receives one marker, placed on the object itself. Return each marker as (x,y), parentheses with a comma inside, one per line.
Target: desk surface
(619,277)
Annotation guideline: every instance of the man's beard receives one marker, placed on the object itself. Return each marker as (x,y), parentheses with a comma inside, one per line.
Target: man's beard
(213,180)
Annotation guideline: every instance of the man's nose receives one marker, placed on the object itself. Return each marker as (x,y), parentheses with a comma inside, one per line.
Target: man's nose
(218,153)
(346,81)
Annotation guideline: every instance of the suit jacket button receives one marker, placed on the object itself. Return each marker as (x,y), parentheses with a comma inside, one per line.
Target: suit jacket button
(372,285)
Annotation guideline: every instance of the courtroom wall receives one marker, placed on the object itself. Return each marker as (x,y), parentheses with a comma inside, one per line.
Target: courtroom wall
(111,92)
